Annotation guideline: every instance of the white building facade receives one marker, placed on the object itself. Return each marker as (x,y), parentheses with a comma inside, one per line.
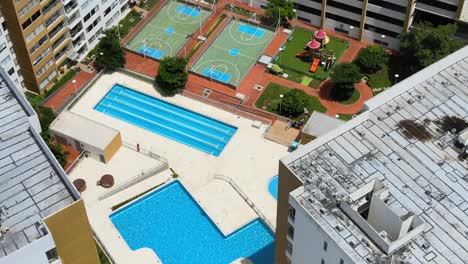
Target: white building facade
(87,19)
(7,56)
(374,21)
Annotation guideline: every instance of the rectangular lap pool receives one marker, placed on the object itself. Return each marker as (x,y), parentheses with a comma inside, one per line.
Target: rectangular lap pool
(166,119)
(173,225)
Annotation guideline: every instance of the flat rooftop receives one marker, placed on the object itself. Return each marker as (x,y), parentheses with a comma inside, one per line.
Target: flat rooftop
(405,140)
(83,129)
(32,185)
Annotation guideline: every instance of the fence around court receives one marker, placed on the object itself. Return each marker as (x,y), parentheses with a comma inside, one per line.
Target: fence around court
(246,199)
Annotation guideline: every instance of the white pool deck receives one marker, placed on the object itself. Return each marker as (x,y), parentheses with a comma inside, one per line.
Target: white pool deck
(248,159)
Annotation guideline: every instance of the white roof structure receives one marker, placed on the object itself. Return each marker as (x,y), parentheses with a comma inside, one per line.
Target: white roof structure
(405,140)
(319,124)
(32,183)
(83,129)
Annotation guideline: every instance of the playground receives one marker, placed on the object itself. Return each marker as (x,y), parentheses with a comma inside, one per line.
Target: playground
(168,31)
(310,53)
(236,49)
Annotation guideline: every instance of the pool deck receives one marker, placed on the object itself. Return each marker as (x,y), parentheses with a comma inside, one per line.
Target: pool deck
(249,160)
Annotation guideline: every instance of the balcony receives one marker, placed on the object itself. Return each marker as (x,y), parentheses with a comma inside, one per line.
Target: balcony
(77,29)
(56,30)
(70,7)
(61,55)
(48,7)
(61,40)
(73,18)
(54,18)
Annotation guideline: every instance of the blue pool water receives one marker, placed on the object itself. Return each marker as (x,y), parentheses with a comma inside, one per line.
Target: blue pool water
(273,187)
(171,223)
(166,119)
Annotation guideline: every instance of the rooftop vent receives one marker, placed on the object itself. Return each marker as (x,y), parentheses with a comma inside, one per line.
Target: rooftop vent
(389,228)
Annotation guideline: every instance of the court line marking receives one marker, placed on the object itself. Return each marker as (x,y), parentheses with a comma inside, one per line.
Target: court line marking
(212,62)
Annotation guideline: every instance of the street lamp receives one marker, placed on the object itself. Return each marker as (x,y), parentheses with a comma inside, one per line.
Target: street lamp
(281,100)
(74,83)
(396,77)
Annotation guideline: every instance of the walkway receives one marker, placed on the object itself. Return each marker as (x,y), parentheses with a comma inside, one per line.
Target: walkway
(63,95)
(257,75)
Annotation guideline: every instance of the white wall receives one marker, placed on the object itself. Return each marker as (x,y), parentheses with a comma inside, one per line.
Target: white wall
(309,239)
(8,57)
(32,253)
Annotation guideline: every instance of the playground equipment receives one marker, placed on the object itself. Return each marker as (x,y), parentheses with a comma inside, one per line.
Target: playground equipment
(316,54)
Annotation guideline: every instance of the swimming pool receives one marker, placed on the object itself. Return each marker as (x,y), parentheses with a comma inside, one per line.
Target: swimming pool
(173,225)
(166,119)
(273,187)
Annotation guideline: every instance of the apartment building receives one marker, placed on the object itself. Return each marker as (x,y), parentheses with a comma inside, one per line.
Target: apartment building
(7,55)
(389,186)
(47,33)
(374,21)
(42,217)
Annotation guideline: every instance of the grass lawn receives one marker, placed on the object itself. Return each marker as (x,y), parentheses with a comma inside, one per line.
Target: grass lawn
(300,39)
(129,21)
(270,100)
(353,99)
(379,79)
(345,117)
(148,4)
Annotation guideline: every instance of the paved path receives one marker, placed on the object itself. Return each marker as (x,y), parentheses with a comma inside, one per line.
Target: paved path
(68,91)
(197,84)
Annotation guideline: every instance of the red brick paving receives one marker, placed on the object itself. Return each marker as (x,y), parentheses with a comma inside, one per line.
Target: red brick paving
(62,95)
(196,84)
(139,64)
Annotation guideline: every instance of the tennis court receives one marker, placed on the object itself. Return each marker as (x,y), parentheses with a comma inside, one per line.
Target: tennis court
(233,53)
(168,31)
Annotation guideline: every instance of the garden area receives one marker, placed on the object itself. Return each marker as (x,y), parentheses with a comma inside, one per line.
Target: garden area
(296,43)
(292,104)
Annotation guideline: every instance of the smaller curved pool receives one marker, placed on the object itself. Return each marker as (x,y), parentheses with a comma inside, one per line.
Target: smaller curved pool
(273,187)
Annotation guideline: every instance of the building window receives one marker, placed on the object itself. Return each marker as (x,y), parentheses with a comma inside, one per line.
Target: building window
(289,248)
(290,231)
(341,261)
(52,255)
(325,245)
(11,71)
(322,261)
(292,213)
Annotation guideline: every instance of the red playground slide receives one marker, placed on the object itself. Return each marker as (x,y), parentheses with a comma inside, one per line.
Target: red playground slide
(302,54)
(314,65)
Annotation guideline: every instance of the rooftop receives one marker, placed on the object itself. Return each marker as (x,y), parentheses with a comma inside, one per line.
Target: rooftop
(319,124)
(32,184)
(83,129)
(406,142)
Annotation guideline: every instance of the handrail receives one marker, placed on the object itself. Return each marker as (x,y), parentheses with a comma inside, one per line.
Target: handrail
(246,199)
(74,162)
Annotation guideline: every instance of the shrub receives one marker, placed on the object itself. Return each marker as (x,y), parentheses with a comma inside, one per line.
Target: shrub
(293,103)
(344,77)
(370,59)
(172,75)
(113,54)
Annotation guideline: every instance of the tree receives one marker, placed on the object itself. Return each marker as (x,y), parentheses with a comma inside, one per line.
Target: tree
(172,75)
(424,44)
(344,77)
(294,102)
(109,53)
(280,8)
(370,59)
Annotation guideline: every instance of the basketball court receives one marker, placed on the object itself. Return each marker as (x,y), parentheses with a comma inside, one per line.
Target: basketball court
(168,31)
(233,52)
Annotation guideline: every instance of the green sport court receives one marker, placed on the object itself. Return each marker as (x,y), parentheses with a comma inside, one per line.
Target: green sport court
(168,31)
(233,53)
